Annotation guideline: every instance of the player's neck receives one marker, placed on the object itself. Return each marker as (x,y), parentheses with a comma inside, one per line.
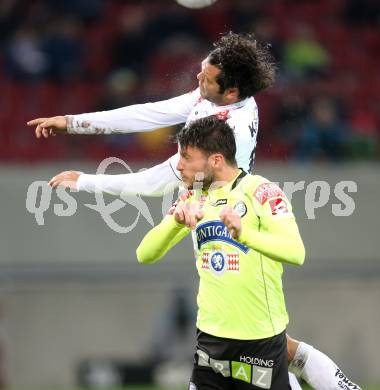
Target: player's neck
(228,101)
(227,174)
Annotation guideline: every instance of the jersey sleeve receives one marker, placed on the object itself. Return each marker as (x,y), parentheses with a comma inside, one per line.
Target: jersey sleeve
(135,118)
(155,181)
(278,237)
(160,240)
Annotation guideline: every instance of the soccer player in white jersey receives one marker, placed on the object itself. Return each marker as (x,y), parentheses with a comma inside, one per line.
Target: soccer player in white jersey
(235,70)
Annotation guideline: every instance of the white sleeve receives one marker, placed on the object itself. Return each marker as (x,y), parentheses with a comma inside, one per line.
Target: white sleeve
(135,118)
(155,181)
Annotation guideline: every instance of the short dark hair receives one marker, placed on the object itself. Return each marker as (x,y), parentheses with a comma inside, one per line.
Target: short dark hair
(245,64)
(211,135)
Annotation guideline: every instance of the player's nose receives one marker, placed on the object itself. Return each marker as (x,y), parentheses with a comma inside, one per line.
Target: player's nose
(179,166)
(200,76)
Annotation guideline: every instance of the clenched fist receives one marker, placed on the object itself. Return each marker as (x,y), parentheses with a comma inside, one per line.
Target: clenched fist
(232,221)
(188,214)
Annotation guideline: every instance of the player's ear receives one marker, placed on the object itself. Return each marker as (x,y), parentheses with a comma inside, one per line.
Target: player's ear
(217,160)
(233,94)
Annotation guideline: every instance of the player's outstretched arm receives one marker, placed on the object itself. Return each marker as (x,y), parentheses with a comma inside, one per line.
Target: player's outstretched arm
(155,181)
(44,127)
(129,119)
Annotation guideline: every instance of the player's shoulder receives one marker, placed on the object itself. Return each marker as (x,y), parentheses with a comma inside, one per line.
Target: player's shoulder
(246,111)
(267,197)
(195,96)
(261,188)
(253,181)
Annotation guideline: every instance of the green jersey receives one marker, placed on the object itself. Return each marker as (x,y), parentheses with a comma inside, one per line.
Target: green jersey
(240,292)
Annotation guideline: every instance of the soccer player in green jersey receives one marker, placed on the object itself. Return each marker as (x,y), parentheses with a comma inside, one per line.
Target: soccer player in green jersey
(244,230)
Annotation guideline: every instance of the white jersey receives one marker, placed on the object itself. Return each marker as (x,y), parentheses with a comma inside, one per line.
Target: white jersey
(241,116)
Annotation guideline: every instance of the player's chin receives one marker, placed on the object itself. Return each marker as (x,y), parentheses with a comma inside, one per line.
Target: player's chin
(188,183)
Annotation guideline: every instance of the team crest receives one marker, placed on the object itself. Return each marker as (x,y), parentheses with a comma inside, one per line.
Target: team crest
(240,208)
(219,262)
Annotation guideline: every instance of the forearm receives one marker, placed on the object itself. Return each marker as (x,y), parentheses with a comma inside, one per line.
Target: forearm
(134,118)
(155,181)
(283,245)
(160,240)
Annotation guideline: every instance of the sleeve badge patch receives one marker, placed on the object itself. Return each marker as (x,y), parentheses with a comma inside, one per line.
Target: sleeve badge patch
(279,206)
(266,191)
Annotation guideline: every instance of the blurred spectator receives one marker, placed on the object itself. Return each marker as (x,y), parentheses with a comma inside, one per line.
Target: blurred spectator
(303,56)
(266,32)
(364,141)
(152,50)
(174,65)
(130,45)
(64,49)
(323,134)
(364,12)
(10,17)
(121,89)
(86,10)
(174,331)
(290,117)
(24,55)
(247,12)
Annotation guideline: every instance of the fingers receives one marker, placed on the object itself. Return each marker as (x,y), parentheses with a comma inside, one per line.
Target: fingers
(46,127)
(179,215)
(37,122)
(67,179)
(42,126)
(188,214)
(232,221)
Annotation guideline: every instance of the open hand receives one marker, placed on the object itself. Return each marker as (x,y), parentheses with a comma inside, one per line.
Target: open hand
(67,179)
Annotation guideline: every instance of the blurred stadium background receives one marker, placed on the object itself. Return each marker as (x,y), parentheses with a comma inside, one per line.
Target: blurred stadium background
(75,308)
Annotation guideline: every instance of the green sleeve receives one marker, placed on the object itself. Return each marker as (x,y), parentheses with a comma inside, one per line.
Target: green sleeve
(278,239)
(160,240)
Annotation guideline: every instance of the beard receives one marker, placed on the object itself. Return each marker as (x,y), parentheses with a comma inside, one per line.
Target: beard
(200,181)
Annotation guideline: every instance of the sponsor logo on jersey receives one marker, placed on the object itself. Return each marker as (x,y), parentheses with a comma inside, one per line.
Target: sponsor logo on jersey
(240,208)
(259,376)
(223,115)
(219,202)
(344,383)
(266,191)
(216,231)
(219,262)
(279,206)
(257,361)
